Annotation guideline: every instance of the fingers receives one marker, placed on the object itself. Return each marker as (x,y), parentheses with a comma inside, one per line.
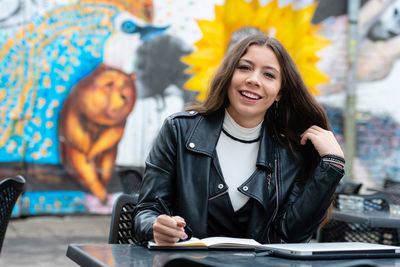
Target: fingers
(168,230)
(323,140)
(311,134)
(179,221)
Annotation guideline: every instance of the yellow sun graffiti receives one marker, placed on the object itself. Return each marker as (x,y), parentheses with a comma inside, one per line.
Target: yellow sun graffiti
(292,27)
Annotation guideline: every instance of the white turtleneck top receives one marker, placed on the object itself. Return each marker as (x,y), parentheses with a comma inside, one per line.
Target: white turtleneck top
(237,151)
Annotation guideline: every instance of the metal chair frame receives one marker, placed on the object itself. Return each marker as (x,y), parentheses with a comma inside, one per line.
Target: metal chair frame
(10,190)
(122,219)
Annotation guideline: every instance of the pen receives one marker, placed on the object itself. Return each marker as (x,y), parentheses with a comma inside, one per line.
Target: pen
(166,211)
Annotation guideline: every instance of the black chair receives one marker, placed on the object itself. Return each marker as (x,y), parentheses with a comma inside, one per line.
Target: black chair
(392,188)
(122,219)
(391,185)
(348,188)
(338,231)
(10,190)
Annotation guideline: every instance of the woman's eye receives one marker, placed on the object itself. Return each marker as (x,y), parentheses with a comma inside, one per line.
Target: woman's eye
(243,67)
(269,75)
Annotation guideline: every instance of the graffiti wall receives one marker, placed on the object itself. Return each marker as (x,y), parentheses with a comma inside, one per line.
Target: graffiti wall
(377,91)
(85,85)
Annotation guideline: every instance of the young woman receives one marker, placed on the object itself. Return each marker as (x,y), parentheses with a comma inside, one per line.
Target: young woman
(255,160)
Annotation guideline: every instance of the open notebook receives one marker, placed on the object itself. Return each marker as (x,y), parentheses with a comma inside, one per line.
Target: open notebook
(332,250)
(218,242)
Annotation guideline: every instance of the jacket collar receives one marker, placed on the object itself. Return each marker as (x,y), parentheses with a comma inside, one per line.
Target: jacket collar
(204,136)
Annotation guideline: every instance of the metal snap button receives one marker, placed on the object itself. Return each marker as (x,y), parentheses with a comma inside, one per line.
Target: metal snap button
(245,188)
(220,186)
(191,112)
(192,145)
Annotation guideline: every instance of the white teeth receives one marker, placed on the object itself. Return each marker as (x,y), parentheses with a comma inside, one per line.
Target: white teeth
(250,95)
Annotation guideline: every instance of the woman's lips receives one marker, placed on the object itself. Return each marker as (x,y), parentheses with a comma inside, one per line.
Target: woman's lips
(249,96)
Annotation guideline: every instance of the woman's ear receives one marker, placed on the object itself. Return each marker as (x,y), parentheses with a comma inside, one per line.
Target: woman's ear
(278,97)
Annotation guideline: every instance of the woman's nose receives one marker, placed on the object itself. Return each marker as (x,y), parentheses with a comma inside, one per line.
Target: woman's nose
(253,79)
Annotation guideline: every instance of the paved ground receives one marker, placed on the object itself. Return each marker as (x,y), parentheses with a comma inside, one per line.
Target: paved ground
(43,240)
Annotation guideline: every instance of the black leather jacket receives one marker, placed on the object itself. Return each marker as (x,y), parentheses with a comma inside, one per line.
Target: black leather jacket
(178,171)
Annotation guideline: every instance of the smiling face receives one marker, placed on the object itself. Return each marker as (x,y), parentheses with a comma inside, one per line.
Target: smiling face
(255,86)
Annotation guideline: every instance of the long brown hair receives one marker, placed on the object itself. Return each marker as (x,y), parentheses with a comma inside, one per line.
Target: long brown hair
(296,110)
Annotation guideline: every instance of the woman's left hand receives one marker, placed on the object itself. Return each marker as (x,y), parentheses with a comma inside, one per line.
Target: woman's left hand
(323,140)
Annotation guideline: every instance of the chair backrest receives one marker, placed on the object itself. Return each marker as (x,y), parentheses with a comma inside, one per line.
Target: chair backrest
(122,219)
(391,185)
(10,189)
(348,188)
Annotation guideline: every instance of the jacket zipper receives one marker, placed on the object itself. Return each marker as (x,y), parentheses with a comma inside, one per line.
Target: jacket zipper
(220,194)
(277,199)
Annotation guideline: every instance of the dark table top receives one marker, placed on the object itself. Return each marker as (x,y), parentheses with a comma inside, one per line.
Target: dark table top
(132,255)
(369,218)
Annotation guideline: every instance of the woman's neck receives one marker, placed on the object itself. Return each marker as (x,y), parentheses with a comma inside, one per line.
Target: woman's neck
(245,122)
(236,130)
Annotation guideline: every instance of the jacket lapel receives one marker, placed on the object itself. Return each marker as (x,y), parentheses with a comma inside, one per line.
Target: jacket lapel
(204,135)
(266,153)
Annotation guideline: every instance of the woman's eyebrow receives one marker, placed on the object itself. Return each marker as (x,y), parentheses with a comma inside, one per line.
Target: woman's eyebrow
(271,68)
(247,61)
(264,67)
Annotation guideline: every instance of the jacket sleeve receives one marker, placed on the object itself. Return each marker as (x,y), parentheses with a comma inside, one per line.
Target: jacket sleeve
(158,181)
(307,204)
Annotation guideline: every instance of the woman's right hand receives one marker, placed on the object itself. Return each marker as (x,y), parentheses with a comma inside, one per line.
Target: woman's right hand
(168,230)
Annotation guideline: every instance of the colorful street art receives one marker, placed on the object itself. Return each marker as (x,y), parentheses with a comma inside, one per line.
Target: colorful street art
(378,114)
(67,86)
(91,124)
(85,85)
